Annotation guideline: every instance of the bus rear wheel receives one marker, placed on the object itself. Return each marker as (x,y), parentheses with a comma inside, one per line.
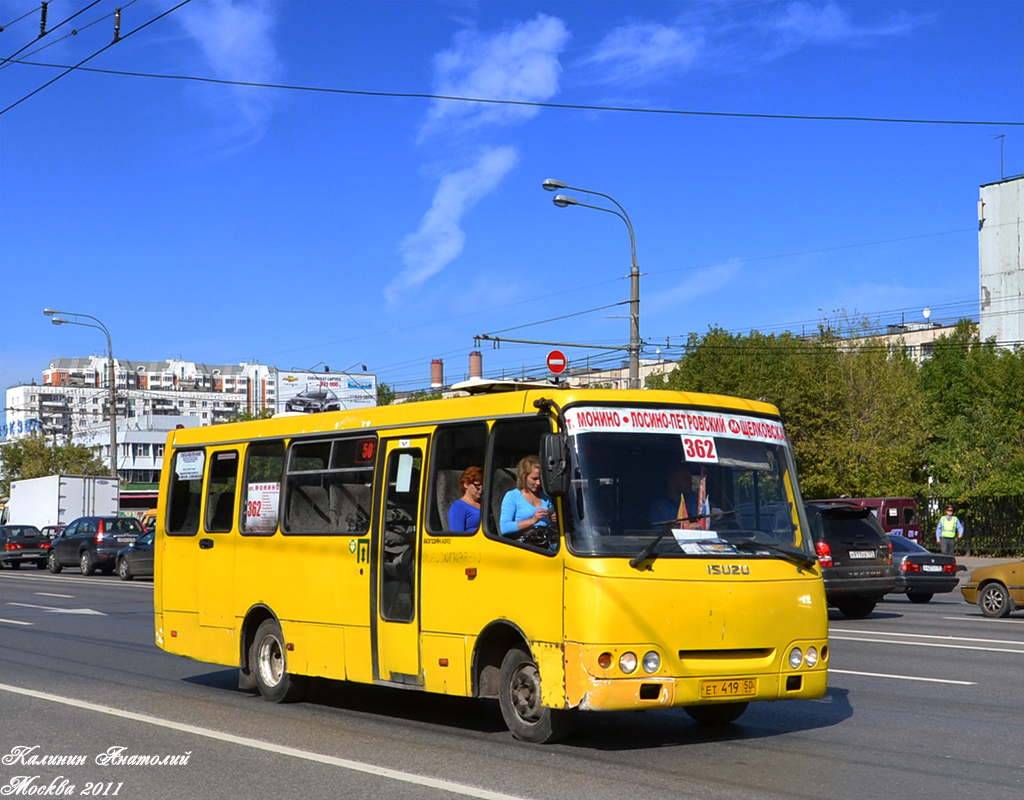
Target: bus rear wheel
(268,663)
(519,699)
(717,714)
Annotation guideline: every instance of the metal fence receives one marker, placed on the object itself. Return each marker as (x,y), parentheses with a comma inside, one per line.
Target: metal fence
(993,526)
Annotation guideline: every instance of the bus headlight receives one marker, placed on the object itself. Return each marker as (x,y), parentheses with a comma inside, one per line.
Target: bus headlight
(627,663)
(651,662)
(796,658)
(812,656)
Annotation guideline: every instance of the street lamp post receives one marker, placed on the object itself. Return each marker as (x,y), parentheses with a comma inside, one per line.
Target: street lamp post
(51,312)
(564,201)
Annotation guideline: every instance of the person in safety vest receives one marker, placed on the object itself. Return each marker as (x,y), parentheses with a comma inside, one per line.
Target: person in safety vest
(949,530)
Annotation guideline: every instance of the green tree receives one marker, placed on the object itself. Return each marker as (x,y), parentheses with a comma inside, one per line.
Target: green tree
(36,456)
(385,394)
(245,416)
(975,416)
(421,395)
(852,412)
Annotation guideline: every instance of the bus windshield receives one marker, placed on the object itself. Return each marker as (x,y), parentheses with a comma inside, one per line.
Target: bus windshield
(653,493)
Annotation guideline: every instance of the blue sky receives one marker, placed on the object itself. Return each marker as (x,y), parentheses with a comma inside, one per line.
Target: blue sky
(226,223)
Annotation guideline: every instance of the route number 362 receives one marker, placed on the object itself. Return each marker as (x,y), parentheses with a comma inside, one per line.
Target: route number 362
(699,448)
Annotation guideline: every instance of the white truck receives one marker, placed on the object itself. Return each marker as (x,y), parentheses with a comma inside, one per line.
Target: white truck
(58,499)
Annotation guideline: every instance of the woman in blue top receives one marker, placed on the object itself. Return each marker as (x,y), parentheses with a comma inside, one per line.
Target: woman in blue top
(464,514)
(526,506)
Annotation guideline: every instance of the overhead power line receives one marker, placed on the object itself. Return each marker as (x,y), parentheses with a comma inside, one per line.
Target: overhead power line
(10,60)
(117,38)
(526,103)
(19,19)
(44,32)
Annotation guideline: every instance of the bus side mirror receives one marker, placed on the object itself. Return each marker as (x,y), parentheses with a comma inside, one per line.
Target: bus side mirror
(554,465)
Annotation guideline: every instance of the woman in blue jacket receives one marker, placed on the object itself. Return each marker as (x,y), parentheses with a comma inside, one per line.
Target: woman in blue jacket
(526,506)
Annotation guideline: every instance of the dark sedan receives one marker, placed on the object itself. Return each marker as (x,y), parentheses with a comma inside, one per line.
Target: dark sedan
(314,401)
(136,560)
(920,574)
(23,544)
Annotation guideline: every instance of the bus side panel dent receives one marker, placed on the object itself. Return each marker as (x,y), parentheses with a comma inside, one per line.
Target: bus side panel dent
(550,658)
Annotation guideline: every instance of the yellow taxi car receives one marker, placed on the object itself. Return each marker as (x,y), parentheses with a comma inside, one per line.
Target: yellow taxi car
(996,590)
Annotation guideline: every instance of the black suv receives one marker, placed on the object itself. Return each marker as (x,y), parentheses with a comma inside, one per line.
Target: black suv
(854,554)
(91,543)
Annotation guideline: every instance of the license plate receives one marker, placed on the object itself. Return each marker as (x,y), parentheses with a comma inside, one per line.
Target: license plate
(126,539)
(862,554)
(740,687)
(931,568)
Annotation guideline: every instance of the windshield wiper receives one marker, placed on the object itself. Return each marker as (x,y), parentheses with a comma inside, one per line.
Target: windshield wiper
(646,553)
(791,554)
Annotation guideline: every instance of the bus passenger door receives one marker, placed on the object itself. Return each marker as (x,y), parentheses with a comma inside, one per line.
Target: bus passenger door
(396,634)
(216,561)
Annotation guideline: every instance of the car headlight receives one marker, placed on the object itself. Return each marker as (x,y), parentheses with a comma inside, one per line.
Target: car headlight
(651,662)
(811,658)
(796,657)
(627,663)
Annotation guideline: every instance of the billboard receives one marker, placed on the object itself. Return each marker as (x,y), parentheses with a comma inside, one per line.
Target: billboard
(315,392)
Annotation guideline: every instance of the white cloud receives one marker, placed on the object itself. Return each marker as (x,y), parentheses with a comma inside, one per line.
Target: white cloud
(715,39)
(644,50)
(440,237)
(803,23)
(703,282)
(236,38)
(520,63)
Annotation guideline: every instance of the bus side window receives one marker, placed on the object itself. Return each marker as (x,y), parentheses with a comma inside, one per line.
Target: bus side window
(220,491)
(511,440)
(185,492)
(264,467)
(456,447)
(329,486)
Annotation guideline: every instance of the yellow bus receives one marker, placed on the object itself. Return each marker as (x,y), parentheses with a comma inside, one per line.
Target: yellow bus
(319,546)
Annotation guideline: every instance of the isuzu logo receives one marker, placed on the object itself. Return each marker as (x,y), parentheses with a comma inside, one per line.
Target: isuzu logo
(728,569)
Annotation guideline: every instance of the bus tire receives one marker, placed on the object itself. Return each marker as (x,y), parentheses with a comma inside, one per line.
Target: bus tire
(519,699)
(269,665)
(717,714)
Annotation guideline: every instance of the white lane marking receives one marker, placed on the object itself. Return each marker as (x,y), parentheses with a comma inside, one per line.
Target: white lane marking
(1019,652)
(978,617)
(53,594)
(55,610)
(70,578)
(256,744)
(901,677)
(15,622)
(929,636)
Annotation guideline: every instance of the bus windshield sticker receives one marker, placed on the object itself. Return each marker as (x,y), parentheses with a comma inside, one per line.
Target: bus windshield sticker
(261,507)
(188,466)
(673,420)
(700,448)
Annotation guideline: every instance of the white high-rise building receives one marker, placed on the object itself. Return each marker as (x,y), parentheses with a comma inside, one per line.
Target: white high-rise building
(1001,261)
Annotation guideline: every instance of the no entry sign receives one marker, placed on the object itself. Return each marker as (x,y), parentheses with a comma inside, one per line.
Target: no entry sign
(557,362)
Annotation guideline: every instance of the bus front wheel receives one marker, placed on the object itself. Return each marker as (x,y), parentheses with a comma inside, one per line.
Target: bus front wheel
(268,663)
(521,708)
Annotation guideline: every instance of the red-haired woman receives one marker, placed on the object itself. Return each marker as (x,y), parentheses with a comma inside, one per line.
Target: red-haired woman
(464,514)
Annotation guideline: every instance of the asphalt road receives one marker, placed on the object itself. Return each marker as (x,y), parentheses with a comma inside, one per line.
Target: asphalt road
(925,701)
